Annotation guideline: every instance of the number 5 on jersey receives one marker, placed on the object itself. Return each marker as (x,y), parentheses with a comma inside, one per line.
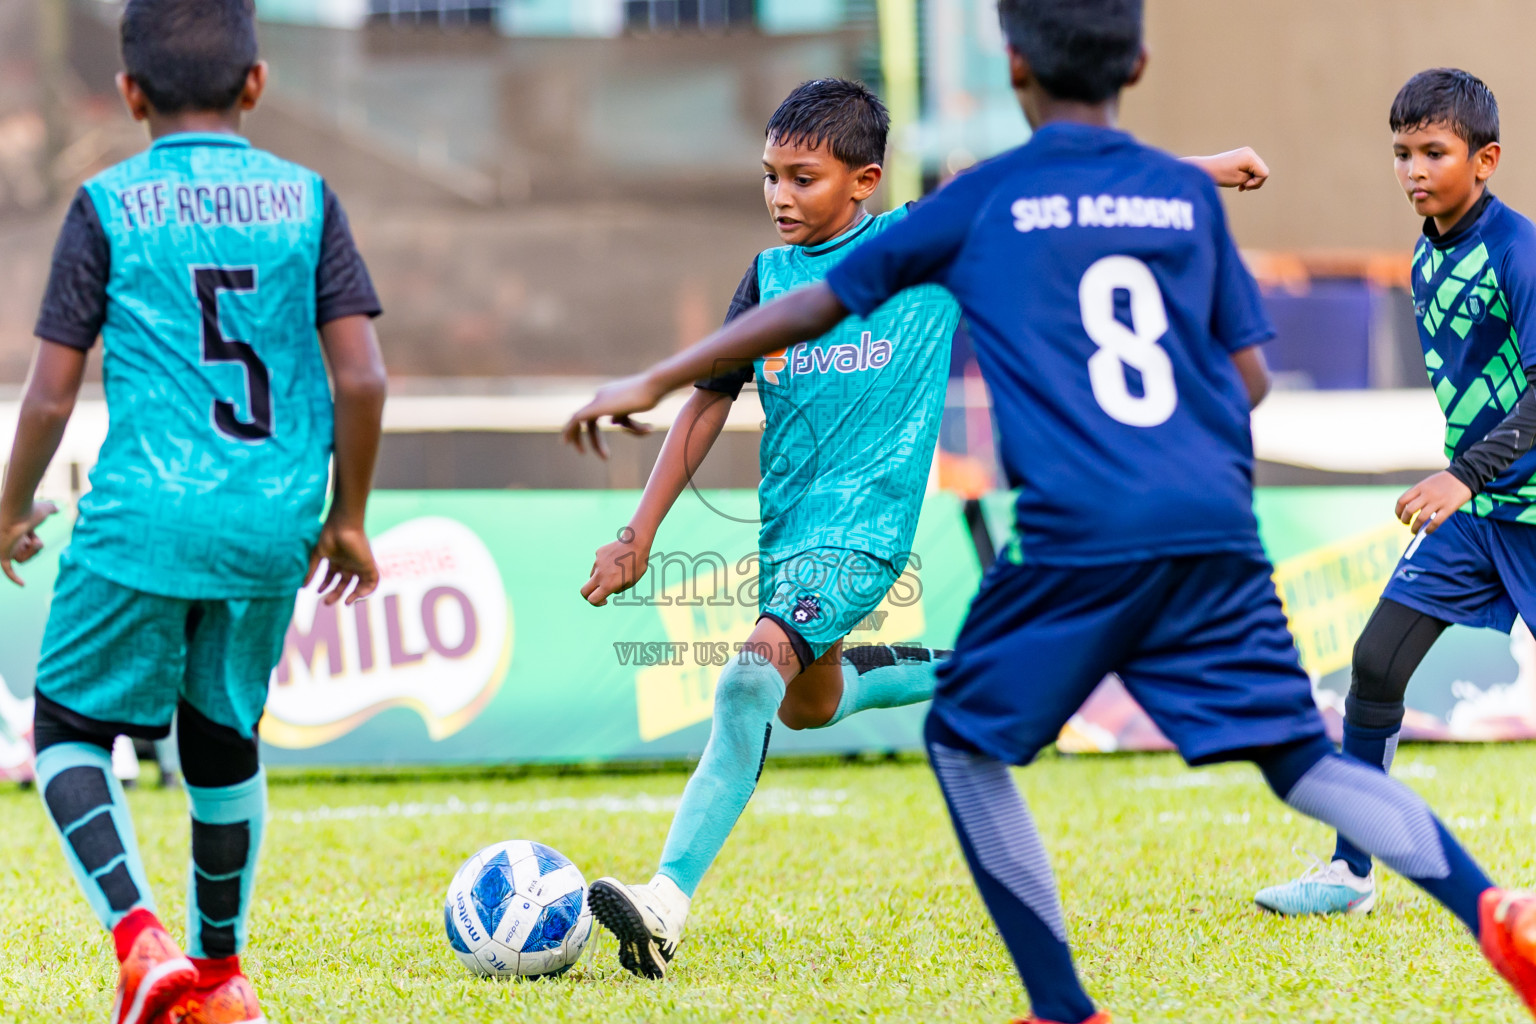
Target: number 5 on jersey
(1121,346)
(209,282)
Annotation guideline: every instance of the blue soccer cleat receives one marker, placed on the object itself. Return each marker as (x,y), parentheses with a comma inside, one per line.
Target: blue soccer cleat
(1324,889)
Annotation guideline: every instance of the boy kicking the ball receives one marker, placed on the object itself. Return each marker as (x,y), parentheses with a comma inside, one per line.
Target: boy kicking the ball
(1120,345)
(845,459)
(206,268)
(846,448)
(1473,557)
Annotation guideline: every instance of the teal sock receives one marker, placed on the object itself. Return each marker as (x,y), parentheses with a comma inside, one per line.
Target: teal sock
(85,803)
(746,699)
(882,676)
(227,824)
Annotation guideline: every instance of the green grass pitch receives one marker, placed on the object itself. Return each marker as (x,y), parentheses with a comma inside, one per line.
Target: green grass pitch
(841,897)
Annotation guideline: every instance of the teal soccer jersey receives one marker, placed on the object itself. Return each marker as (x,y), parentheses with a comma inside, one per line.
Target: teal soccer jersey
(1474,296)
(851,417)
(205,266)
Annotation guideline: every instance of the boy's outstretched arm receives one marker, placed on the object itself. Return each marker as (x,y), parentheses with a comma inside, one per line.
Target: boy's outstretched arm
(1242,169)
(45,410)
(359,386)
(619,564)
(801,315)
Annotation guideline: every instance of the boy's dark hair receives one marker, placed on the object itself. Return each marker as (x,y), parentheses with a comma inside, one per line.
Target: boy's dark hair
(1450,97)
(1082,50)
(189,54)
(845,115)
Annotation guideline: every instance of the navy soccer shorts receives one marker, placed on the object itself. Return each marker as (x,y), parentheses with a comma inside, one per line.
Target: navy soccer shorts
(1472,571)
(1201,642)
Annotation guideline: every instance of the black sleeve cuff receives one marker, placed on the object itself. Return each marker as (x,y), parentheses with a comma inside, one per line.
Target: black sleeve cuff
(357,306)
(1466,475)
(60,334)
(728,384)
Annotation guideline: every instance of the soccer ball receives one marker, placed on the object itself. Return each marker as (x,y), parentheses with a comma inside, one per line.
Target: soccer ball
(518,908)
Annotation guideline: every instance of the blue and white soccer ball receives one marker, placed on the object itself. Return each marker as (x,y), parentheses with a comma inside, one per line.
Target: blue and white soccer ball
(518,908)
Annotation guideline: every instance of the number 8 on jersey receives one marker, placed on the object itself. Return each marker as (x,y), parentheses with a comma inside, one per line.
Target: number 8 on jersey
(1120,346)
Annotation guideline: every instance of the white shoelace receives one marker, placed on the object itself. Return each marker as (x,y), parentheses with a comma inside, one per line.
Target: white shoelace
(1326,872)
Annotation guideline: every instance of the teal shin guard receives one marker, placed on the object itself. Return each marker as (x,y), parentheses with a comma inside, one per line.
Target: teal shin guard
(227,824)
(880,676)
(85,803)
(746,699)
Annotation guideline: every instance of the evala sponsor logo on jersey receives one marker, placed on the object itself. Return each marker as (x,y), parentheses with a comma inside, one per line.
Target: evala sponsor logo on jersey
(1103,212)
(868,354)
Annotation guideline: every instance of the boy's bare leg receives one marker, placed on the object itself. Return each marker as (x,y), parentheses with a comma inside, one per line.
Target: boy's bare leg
(851,678)
(811,698)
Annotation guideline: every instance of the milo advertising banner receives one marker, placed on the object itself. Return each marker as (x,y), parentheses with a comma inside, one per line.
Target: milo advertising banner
(478,647)
(1334,548)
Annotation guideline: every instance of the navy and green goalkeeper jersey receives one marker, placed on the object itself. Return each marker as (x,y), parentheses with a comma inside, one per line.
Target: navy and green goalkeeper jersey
(852,417)
(1105,298)
(205,266)
(1474,296)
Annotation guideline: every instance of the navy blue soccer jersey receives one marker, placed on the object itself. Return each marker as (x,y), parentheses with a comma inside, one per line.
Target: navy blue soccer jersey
(1106,298)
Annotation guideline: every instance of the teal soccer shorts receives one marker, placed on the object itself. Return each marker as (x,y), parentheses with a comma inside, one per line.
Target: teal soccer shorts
(125,657)
(820,596)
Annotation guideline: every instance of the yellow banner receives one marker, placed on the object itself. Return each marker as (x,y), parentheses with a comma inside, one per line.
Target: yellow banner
(1330,591)
(679,690)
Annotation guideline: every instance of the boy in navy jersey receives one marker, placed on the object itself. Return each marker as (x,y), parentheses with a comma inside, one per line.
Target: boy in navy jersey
(1117,329)
(1473,559)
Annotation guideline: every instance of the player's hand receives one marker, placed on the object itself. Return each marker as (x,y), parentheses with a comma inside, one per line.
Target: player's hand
(619,401)
(1242,169)
(1426,506)
(18,538)
(348,560)
(616,567)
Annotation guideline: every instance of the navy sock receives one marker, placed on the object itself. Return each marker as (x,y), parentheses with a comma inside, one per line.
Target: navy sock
(1009,863)
(1375,747)
(1460,888)
(1382,816)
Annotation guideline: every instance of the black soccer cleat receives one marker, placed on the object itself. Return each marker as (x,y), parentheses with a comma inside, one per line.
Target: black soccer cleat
(647,929)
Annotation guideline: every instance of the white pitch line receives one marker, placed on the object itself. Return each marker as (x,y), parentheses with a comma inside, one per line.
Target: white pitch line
(816,803)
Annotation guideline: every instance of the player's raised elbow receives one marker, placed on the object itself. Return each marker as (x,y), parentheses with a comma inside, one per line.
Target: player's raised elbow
(356,361)
(53,384)
(1254,372)
(47,407)
(363,384)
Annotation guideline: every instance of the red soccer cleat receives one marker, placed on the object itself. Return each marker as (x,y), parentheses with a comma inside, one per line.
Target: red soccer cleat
(1102,1017)
(223,995)
(1507,921)
(154,970)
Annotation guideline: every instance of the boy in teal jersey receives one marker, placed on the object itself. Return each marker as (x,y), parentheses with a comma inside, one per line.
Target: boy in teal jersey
(851,420)
(206,267)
